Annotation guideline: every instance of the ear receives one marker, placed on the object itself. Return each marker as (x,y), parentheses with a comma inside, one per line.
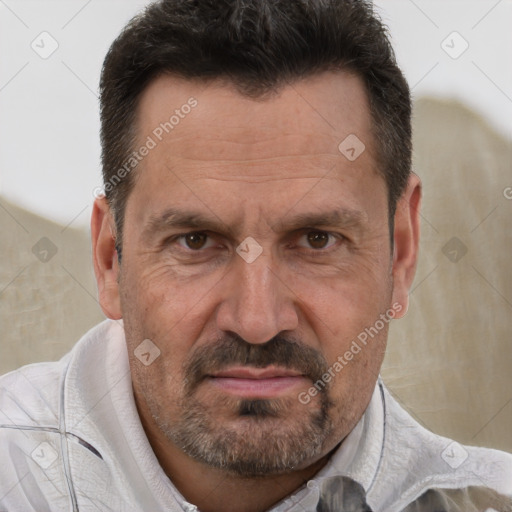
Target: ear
(106,264)
(406,237)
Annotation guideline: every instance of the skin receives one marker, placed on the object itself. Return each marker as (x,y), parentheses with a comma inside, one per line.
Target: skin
(255,168)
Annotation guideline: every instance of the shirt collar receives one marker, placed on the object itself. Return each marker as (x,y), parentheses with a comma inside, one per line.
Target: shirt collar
(90,414)
(353,465)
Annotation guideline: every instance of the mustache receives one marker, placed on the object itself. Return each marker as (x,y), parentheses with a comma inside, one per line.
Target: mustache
(232,350)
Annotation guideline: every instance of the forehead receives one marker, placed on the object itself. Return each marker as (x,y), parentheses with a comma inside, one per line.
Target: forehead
(209,140)
(322,109)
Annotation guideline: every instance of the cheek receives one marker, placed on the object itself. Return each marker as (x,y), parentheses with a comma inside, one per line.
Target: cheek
(159,386)
(345,315)
(170,311)
(339,308)
(165,299)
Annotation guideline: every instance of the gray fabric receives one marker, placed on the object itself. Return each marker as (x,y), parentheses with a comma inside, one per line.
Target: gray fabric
(342,494)
(345,495)
(470,499)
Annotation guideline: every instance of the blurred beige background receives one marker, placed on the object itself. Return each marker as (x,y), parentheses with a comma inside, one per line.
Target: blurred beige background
(449,360)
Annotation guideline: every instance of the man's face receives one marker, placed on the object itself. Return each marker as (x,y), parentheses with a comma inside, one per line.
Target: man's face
(243,336)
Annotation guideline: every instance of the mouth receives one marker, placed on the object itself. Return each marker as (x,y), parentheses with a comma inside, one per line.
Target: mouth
(248,382)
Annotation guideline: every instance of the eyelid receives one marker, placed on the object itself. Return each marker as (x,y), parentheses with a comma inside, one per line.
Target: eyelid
(213,238)
(181,236)
(338,237)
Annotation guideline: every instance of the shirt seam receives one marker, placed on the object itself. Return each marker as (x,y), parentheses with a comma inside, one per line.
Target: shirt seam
(384,432)
(63,443)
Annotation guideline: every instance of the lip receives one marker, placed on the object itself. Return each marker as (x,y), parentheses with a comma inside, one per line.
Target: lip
(245,372)
(257,382)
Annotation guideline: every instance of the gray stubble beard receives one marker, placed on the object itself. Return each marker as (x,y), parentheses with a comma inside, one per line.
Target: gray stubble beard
(261,444)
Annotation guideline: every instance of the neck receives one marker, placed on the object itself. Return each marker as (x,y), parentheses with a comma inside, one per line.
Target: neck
(210,489)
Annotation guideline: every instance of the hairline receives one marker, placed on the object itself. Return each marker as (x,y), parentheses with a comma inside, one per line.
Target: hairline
(262,94)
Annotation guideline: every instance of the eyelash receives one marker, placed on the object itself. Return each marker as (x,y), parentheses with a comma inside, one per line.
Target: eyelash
(183,235)
(304,232)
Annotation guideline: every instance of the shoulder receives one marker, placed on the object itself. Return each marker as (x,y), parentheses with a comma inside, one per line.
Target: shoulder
(417,462)
(29,440)
(29,396)
(34,472)
(33,396)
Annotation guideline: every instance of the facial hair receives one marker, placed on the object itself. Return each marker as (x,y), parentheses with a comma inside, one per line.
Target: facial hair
(270,436)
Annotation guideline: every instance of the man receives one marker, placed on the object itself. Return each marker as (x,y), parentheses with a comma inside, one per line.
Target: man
(259,232)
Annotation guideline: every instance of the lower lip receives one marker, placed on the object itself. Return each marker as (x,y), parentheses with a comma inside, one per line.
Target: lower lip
(257,388)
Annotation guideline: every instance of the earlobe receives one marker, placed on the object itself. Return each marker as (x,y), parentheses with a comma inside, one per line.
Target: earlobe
(106,264)
(406,242)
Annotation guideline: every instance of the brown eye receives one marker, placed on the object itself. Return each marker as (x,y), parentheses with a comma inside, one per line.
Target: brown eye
(318,239)
(195,241)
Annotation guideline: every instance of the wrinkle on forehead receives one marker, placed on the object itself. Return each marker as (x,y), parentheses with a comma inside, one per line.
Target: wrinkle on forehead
(258,170)
(233,142)
(329,100)
(234,153)
(306,154)
(313,114)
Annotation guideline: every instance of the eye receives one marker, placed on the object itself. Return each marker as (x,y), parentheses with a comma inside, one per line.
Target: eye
(318,239)
(194,241)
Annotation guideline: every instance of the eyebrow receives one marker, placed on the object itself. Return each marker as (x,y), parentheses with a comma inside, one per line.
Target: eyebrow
(175,219)
(342,217)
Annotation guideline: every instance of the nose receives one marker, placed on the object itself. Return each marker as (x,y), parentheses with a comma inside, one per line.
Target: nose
(257,302)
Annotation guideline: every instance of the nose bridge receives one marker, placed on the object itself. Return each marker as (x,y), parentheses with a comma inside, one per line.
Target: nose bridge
(258,286)
(257,306)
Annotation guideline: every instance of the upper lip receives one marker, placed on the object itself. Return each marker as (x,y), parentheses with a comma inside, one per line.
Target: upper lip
(244,372)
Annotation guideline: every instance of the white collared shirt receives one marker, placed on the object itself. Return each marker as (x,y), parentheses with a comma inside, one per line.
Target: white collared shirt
(71,440)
